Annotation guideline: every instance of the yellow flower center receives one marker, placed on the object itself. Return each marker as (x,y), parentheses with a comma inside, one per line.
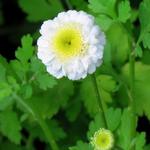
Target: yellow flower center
(68,42)
(103,140)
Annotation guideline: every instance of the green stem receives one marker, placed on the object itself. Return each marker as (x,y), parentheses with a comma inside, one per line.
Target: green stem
(132,71)
(21,101)
(40,121)
(48,134)
(68,4)
(99,100)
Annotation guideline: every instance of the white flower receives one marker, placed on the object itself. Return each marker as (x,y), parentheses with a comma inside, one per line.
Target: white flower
(71,45)
(102,140)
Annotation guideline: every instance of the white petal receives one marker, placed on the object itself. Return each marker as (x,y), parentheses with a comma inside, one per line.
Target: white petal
(93,39)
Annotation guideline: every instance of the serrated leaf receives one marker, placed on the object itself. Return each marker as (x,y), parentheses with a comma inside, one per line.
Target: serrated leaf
(107,83)
(26,91)
(142,86)
(47,103)
(81,146)
(40,76)
(103,7)
(13,83)
(88,96)
(19,69)
(127,129)
(36,65)
(57,131)
(10,126)
(45,81)
(5,90)
(146,40)
(113,117)
(104,21)
(48,9)
(25,52)
(138,51)
(144,13)
(95,125)
(124,11)
(140,141)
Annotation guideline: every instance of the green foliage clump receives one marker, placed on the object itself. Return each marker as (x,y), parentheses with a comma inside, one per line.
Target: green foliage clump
(31,100)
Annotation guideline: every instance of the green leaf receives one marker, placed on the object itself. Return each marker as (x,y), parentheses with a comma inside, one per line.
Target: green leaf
(107,86)
(36,132)
(142,86)
(88,96)
(81,146)
(26,91)
(107,83)
(5,103)
(124,11)
(146,40)
(48,103)
(73,109)
(113,117)
(13,83)
(104,21)
(5,90)
(48,9)
(2,72)
(144,13)
(138,51)
(107,55)
(19,69)
(145,58)
(103,7)
(140,141)
(10,126)
(46,81)
(25,52)
(126,131)
(95,125)
(57,131)
(119,50)
(36,65)
(40,76)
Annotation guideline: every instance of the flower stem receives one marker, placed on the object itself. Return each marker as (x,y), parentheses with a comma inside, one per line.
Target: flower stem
(48,133)
(132,71)
(69,5)
(99,100)
(40,121)
(132,74)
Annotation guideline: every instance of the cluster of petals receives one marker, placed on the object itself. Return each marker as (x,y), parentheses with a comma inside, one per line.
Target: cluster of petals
(86,59)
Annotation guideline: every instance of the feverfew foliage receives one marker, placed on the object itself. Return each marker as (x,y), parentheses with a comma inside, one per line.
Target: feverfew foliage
(35,107)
